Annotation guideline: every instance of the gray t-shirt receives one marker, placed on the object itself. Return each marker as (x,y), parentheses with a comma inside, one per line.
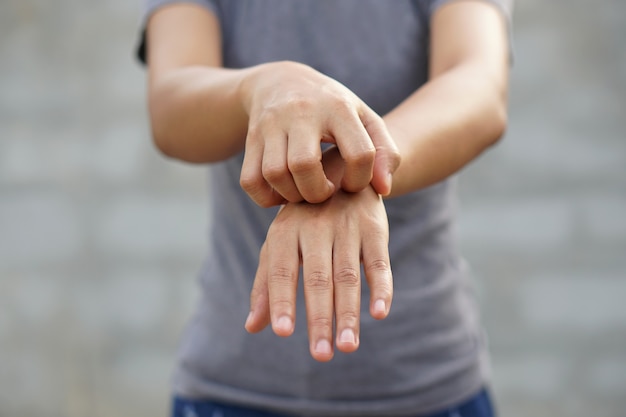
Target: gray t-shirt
(430,352)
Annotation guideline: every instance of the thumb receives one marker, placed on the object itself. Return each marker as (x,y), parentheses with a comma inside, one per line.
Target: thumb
(387,156)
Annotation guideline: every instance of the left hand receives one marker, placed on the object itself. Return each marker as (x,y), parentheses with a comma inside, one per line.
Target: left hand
(329,240)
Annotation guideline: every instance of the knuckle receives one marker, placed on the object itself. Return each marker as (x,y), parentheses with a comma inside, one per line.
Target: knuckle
(318,280)
(273,172)
(303,164)
(343,104)
(363,157)
(254,131)
(378,265)
(269,115)
(349,319)
(281,276)
(394,158)
(370,118)
(299,104)
(347,277)
(320,321)
(255,188)
(282,307)
(377,229)
(249,182)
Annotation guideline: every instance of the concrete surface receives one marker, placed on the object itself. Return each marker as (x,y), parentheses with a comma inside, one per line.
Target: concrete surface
(100,237)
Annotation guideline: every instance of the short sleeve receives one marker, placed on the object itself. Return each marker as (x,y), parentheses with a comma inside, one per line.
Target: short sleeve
(150,6)
(505,6)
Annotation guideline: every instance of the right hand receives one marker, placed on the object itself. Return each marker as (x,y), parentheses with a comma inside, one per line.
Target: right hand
(292,109)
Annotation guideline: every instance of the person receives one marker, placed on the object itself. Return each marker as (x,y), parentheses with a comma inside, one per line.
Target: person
(333,131)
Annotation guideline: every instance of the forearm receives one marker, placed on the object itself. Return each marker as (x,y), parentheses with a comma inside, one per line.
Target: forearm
(197,113)
(446,124)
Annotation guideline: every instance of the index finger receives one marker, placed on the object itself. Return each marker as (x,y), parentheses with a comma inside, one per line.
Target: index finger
(356,149)
(304,159)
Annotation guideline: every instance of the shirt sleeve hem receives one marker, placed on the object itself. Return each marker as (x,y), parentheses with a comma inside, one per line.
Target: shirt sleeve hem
(151,8)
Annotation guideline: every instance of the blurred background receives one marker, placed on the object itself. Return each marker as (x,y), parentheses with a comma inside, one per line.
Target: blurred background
(101,238)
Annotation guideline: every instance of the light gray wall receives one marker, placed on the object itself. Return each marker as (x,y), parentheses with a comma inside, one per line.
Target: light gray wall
(100,237)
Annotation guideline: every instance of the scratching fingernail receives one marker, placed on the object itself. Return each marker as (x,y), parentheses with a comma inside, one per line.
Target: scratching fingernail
(322,347)
(347,336)
(379,307)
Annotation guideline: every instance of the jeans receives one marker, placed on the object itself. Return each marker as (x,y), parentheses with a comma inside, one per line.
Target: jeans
(477,406)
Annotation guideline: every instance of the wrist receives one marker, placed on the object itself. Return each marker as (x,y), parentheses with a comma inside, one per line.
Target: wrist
(264,77)
(248,85)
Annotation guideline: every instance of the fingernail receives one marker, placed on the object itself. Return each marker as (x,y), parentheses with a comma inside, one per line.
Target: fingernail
(284,323)
(323,346)
(347,336)
(379,307)
(249,319)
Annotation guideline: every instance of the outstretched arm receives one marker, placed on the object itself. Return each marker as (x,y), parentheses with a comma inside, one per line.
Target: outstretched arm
(461,110)
(195,108)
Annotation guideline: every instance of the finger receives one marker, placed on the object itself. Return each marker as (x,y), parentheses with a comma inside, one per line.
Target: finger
(347,287)
(251,179)
(304,159)
(283,263)
(318,292)
(259,316)
(387,154)
(375,256)
(275,169)
(356,148)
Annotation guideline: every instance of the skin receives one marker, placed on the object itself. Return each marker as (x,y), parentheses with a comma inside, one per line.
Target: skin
(329,240)
(292,108)
(201,112)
